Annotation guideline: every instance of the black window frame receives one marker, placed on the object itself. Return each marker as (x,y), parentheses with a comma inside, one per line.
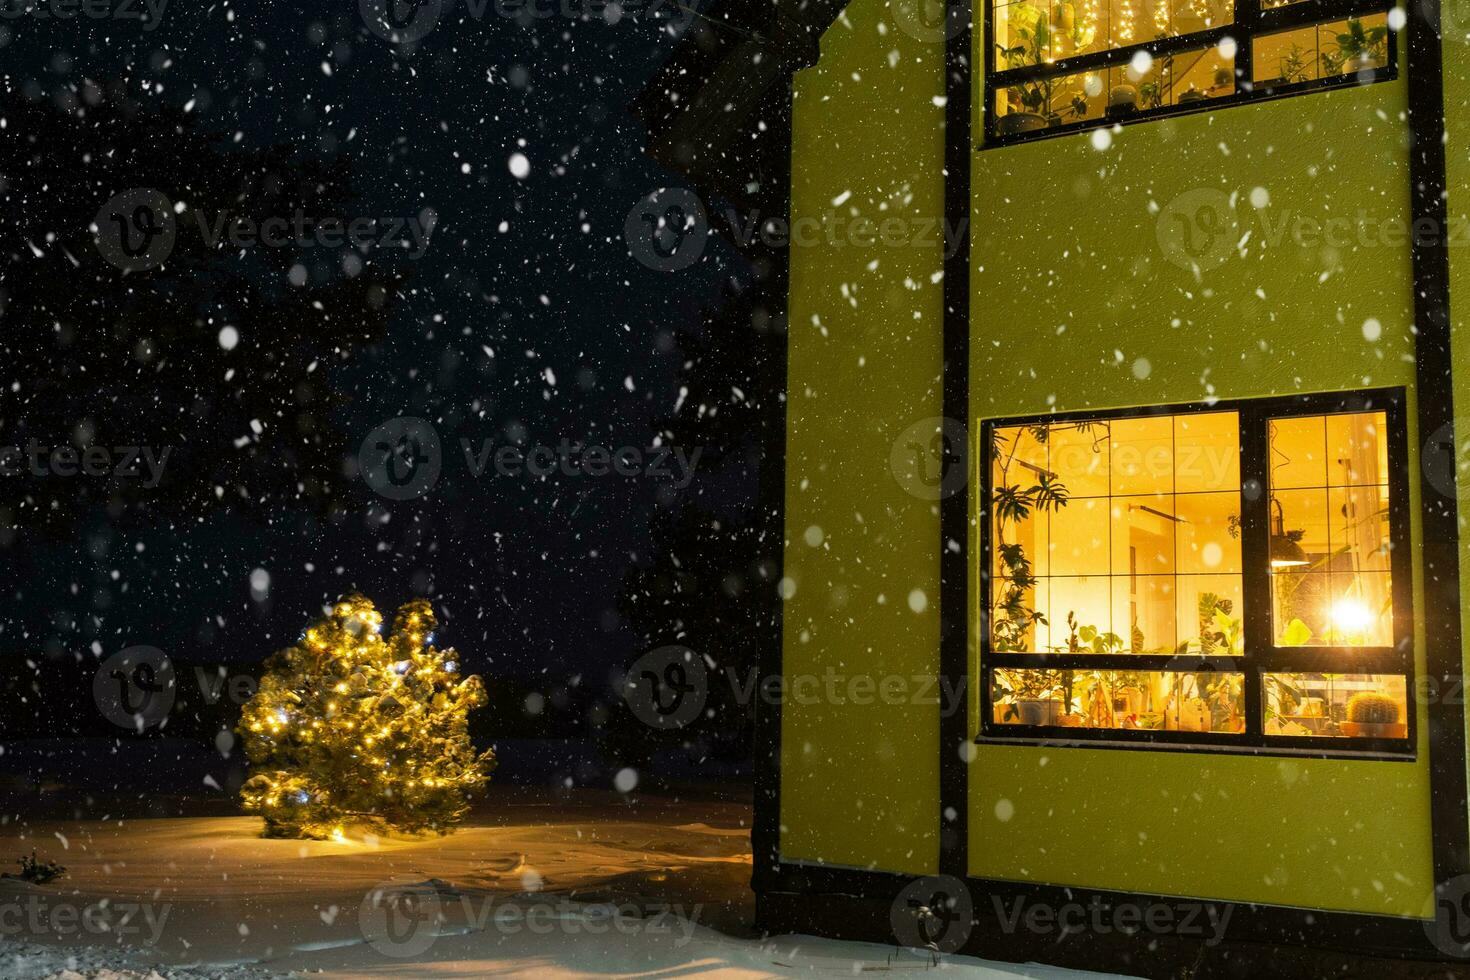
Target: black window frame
(1261,655)
(1251,21)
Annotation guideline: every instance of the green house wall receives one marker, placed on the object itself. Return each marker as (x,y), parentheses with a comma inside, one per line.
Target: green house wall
(860,782)
(1076,304)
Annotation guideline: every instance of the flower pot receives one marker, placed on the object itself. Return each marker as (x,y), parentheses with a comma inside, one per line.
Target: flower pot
(1020,122)
(1361,62)
(1040,712)
(1122,101)
(1363,729)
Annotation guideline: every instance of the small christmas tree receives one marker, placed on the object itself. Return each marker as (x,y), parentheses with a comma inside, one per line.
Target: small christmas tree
(350,729)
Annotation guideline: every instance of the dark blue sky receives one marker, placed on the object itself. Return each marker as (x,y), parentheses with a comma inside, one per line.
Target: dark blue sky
(527,278)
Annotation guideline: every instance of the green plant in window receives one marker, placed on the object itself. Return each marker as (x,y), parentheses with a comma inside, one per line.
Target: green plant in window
(1098,641)
(1012,618)
(1025,695)
(1048,98)
(1042,684)
(1282,697)
(1135,682)
(1296,634)
(1372,708)
(1356,48)
(1225,696)
(1012,501)
(1294,65)
(1096,692)
(1219,632)
(1153,91)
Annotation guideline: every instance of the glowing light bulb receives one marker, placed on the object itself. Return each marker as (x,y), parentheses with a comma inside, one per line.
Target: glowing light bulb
(1351,616)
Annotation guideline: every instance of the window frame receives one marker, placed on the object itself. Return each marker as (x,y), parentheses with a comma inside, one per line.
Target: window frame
(1262,656)
(1251,21)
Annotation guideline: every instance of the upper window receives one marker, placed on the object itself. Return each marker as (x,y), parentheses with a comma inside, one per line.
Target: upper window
(1055,66)
(1228,574)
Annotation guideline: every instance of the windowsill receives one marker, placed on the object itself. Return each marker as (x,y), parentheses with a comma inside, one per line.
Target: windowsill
(1368,76)
(1377,754)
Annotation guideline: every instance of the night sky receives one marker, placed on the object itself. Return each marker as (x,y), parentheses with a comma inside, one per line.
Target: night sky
(526,319)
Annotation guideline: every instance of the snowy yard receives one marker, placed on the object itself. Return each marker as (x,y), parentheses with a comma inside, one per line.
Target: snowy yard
(531,886)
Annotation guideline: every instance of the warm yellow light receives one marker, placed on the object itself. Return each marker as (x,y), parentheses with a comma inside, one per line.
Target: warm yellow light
(1351,616)
(339,835)
(1283,563)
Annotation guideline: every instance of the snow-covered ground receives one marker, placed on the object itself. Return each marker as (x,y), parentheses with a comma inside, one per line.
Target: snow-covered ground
(532,887)
(482,954)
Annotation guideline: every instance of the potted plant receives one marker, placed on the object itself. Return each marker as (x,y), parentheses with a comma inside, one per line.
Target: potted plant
(1293,67)
(1041,103)
(1122,101)
(1223,83)
(1032,697)
(1373,714)
(1357,49)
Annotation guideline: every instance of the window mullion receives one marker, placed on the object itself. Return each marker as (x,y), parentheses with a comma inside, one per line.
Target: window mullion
(1255,556)
(1247,12)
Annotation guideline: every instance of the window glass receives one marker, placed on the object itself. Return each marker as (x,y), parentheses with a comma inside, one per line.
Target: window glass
(1319,50)
(1125,537)
(1336,705)
(1120,699)
(1116,92)
(1033,36)
(1208,447)
(1130,529)
(1329,544)
(1030,33)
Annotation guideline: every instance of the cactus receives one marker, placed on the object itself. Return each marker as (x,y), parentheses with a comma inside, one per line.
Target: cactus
(1372,709)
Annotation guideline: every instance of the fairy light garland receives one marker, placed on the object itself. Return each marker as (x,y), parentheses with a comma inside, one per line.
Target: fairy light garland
(351,729)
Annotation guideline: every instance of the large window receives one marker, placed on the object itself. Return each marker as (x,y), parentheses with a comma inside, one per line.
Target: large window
(1226,574)
(1056,66)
